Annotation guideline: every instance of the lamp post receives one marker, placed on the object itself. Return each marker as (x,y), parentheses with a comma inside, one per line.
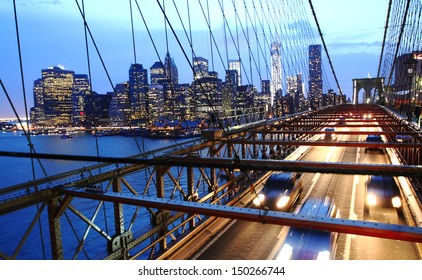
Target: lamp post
(411,73)
(418,102)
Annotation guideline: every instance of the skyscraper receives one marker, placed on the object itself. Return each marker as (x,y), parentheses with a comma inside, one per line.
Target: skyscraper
(157,72)
(315,76)
(265,86)
(232,79)
(276,79)
(207,93)
(234,64)
(138,87)
(57,87)
(200,68)
(37,114)
(97,109)
(293,92)
(170,67)
(300,101)
(81,89)
(120,108)
(155,102)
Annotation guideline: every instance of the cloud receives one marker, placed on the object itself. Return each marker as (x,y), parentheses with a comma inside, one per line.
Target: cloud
(373,47)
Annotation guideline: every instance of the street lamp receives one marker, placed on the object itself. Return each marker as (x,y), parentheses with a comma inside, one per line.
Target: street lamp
(411,73)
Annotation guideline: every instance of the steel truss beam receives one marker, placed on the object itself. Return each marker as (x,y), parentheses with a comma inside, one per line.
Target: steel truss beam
(329,143)
(340,132)
(234,151)
(247,164)
(374,229)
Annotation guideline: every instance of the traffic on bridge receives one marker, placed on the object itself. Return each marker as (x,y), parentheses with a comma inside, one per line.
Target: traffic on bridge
(250,148)
(204,223)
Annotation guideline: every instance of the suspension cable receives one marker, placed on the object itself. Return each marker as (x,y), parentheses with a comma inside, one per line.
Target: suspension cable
(325,48)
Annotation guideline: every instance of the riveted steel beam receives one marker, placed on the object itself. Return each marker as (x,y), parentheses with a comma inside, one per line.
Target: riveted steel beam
(329,143)
(250,164)
(374,229)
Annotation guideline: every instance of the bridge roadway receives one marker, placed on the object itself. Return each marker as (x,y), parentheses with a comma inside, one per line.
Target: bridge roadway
(258,238)
(249,240)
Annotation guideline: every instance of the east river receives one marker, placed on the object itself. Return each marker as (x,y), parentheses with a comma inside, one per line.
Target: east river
(20,170)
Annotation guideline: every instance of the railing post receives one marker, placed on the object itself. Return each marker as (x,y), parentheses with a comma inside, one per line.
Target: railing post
(55,230)
(118,209)
(161,215)
(191,193)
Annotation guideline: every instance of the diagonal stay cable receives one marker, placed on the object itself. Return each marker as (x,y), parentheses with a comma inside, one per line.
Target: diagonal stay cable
(236,158)
(103,65)
(325,47)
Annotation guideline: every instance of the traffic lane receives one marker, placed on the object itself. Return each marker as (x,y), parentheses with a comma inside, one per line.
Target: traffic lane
(340,188)
(379,214)
(243,241)
(348,193)
(372,248)
(248,240)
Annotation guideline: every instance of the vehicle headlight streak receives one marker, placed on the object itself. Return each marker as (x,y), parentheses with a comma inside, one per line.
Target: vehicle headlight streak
(396,202)
(259,199)
(323,255)
(372,199)
(285,252)
(283,201)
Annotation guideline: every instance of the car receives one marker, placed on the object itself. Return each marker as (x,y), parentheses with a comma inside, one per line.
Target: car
(368,116)
(341,120)
(374,139)
(309,244)
(383,192)
(329,134)
(280,192)
(403,138)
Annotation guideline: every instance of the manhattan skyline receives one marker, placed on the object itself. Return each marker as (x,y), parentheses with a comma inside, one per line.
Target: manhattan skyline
(40,52)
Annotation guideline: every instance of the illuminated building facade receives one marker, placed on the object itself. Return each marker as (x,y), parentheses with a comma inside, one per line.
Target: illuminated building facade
(276,77)
(37,112)
(208,95)
(138,87)
(236,66)
(155,102)
(157,73)
(57,88)
(120,109)
(315,76)
(81,89)
(200,68)
(172,74)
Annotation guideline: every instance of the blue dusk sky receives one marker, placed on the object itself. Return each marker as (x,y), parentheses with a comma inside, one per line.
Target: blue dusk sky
(52,33)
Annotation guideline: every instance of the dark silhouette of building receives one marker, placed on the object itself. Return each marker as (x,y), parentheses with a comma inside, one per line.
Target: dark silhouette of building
(98,110)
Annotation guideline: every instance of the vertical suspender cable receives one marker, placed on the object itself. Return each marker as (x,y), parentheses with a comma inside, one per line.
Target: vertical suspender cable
(325,48)
(27,118)
(383,41)
(399,40)
(133,31)
(211,44)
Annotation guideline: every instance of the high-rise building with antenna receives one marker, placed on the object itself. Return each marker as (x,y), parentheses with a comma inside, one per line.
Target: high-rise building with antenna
(276,77)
